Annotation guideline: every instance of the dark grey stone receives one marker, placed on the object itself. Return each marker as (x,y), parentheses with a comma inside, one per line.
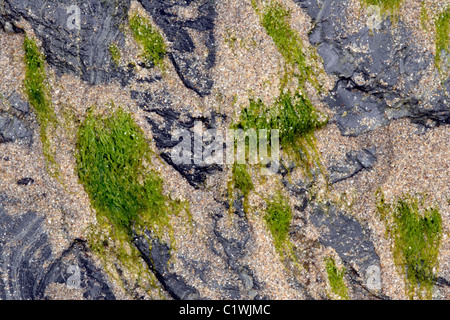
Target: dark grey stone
(193,69)
(83,52)
(356,112)
(73,262)
(157,255)
(28,265)
(351,241)
(235,248)
(389,70)
(12,128)
(164,121)
(25,181)
(16,101)
(354,162)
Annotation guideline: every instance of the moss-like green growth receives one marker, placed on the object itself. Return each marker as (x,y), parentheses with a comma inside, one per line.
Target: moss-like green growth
(254,116)
(297,116)
(442,25)
(424,16)
(242,179)
(113,159)
(299,60)
(417,235)
(111,163)
(275,20)
(36,88)
(278,217)
(336,279)
(386,6)
(115,53)
(293,115)
(150,40)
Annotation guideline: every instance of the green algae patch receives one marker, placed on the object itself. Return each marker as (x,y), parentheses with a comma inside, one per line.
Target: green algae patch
(387,6)
(242,179)
(296,119)
(36,88)
(115,53)
(292,113)
(150,40)
(278,218)
(275,20)
(442,25)
(416,231)
(112,163)
(336,279)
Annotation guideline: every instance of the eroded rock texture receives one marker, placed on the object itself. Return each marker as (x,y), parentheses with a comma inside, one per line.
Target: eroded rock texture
(229,254)
(157,255)
(74,43)
(182,22)
(350,240)
(166,122)
(372,67)
(29,267)
(13,126)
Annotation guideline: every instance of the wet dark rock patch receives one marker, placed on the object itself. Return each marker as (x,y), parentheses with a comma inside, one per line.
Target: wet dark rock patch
(28,265)
(354,162)
(157,255)
(193,68)
(373,67)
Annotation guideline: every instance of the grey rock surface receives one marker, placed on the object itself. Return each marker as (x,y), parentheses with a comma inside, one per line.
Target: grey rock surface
(235,245)
(72,45)
(78,42)
(28,265)
(12,128)
(354,162)
(157,255)
(192,67)
(18,103)
(371,68)
(372,88)
(351,241)
(165,121)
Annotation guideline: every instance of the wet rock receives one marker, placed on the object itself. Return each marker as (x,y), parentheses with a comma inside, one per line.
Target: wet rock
(75,269)
(24,249)
(352,243)
(18,103)
(165,122)
(356,112)
(300,191)
(77,44)
(235,244)
(25,181)
(28,265)
(157,255)
(354,162)
(13,128)
(373,67)
(193,60)
(442,282)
